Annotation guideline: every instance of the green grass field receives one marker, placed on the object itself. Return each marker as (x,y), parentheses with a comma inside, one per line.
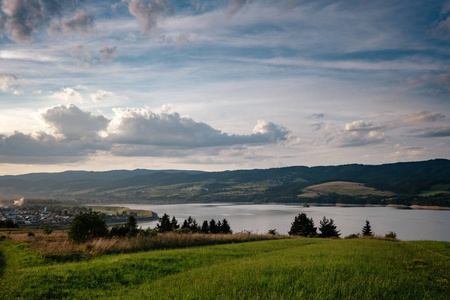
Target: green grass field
(275,269)
(342,188)
(437,189)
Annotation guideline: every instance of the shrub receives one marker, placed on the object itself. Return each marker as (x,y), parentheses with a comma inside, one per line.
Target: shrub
(272,232)
(353,236)
(47,229)
(87,226)
(390,235)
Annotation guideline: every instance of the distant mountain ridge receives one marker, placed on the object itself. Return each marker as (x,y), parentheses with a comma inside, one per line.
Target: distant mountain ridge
(267,185)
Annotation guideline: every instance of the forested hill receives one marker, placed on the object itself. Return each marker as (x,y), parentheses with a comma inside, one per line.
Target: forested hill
(409,179)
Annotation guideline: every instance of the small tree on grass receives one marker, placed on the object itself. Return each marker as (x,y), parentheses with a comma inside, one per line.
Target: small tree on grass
(367,229)
(86,226)
(303,226)
(328,229)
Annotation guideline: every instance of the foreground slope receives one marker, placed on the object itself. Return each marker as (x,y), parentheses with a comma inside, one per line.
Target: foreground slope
(279,269)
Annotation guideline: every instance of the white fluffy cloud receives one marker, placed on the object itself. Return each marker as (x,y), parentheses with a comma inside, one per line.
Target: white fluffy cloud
(77,133)
(144,127)
(74,123)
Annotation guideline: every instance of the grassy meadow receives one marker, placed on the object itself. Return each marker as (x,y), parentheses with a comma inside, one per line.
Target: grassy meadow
(342,188)
(289,268)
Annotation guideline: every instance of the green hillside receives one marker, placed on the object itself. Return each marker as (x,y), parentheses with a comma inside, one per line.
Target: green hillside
(277,269)
(410,183)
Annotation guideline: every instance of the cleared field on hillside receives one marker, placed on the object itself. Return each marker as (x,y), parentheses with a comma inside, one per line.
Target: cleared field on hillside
(342,188)
(277,269)
(437,189)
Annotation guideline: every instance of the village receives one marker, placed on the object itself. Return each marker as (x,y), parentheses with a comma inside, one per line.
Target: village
(56,216)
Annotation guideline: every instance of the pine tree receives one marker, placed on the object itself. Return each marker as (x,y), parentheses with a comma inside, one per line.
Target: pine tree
(174,223)
(205,227)
(367,229)
(213,227)
(225,227)
(303,226)
(132,227)
(328,229)
(164,224)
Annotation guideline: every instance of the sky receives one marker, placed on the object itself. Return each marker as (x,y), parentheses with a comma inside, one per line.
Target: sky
(221,85)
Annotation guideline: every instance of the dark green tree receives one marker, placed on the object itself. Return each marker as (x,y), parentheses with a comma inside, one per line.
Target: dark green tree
(225,227)
(328,229)
(131,225)
(213,227)
(303,226)
(87,226)
(205,227)
(174,223)
(367,229)
(164,224)
(185,225)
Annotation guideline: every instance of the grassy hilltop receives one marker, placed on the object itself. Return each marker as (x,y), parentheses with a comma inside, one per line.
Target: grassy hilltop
(296,268)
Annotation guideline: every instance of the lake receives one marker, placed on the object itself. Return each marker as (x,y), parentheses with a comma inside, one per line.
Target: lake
(409,224)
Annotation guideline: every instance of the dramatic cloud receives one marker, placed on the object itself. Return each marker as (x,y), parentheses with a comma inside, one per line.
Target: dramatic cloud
(142,126)
(107,53)
(69,95)
(74,123)
(149,13)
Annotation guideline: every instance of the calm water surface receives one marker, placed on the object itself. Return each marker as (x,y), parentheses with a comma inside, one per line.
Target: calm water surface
(409,224)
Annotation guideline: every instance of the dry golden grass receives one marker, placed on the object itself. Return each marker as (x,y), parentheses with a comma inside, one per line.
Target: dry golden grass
(57,246)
